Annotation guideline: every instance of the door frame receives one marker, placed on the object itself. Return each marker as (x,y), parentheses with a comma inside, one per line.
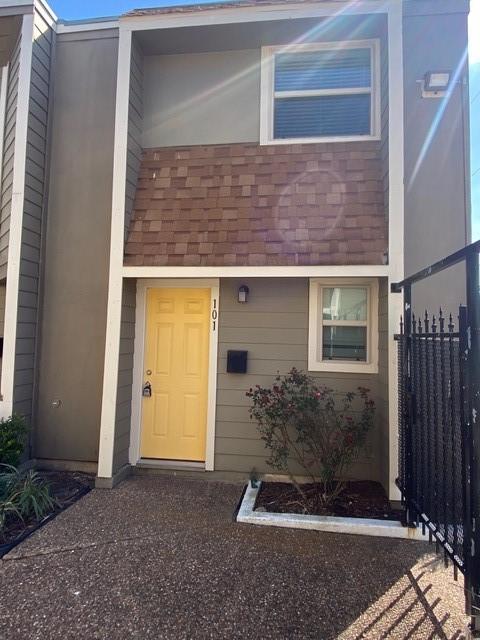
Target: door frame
(139,354)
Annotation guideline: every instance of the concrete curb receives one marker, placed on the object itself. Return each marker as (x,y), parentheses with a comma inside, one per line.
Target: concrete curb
(331,524)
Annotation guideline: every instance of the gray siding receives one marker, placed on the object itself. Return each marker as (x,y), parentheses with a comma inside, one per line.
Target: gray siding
(32,216)
(273,327)
(135,124)
(202,98)
(125,376)
(8,158)
(74,302)
(436,152)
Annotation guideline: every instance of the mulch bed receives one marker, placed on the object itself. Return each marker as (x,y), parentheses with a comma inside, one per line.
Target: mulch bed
(66,487)
(357,500)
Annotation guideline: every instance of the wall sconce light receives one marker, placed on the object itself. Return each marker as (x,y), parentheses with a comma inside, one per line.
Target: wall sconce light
(435,84)
(243,293)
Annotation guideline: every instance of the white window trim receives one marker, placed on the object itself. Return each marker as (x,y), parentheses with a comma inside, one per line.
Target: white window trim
(314,336)
(268,94)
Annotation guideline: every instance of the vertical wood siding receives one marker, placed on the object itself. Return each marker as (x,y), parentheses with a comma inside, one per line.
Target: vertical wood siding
(32,216)
(125,376)
(8,157)
(273,327)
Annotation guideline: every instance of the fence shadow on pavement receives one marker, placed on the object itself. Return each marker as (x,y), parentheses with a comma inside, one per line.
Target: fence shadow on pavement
(425,604)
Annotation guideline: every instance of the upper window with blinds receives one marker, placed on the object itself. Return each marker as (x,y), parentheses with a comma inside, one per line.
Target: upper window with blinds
(320,92)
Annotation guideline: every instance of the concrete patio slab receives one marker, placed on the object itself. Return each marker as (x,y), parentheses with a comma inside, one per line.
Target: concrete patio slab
(160,557)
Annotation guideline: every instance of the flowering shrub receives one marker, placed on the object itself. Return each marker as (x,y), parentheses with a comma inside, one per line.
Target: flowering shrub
(307,425)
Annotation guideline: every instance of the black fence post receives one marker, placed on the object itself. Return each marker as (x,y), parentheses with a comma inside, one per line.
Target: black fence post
(473,420)
(407,372)
(466,453)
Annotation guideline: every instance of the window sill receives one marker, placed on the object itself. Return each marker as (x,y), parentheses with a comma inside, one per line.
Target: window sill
(319,140)
(344,367)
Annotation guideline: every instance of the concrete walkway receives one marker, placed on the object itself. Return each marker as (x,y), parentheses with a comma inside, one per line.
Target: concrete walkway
(159,557)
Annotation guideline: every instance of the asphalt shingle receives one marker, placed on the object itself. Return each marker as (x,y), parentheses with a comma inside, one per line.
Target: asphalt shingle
(247,204)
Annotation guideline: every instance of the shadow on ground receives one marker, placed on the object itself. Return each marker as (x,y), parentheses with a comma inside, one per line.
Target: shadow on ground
(160,557)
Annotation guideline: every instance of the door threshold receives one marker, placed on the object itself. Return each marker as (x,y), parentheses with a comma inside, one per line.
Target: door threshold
(182,465)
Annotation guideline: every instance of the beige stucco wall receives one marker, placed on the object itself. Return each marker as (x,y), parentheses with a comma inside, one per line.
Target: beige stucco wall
(77,248)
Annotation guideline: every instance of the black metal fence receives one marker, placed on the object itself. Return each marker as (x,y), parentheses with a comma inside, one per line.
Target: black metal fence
(439,423)
(433,438)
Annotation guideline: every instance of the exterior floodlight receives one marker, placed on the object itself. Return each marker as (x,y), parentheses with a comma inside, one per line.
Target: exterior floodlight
(435,83)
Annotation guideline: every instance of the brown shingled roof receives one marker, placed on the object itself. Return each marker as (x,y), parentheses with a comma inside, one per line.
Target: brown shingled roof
(208,6)
(246,204)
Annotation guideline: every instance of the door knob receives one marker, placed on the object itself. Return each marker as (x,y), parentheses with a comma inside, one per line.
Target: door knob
(149,372)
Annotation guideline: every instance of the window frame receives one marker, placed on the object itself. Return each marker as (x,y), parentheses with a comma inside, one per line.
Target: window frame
(268,94)
(316,324)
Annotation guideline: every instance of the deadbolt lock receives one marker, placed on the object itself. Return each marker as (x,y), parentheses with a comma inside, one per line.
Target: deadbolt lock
(147,390)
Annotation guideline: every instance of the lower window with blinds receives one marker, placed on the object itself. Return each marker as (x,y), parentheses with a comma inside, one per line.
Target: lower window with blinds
(343,325)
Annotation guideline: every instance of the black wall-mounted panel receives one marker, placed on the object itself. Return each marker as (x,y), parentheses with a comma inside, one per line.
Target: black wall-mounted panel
(237,361)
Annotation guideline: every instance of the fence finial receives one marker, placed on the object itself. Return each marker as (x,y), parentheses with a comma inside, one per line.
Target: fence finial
(451,326)
(441,320)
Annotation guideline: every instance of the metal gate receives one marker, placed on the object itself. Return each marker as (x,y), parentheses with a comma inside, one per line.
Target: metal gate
(439,422)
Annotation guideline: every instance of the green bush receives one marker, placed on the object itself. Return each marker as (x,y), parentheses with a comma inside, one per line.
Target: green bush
(308,426)
(13,438)
(23,496)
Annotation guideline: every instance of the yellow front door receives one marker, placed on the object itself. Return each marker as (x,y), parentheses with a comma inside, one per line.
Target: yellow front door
(174,418)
